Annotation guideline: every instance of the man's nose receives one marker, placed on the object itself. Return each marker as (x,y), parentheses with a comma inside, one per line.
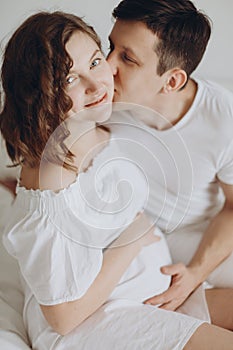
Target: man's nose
(112,61)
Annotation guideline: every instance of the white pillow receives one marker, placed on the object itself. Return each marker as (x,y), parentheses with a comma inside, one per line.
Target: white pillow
(12,341)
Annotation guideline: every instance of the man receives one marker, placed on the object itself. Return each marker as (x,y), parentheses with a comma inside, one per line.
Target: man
(154,48)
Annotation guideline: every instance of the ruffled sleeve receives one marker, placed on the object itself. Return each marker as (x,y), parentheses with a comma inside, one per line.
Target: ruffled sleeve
(58,238)
(56,268)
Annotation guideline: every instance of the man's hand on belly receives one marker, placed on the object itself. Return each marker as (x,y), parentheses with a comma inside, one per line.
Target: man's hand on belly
(183,283)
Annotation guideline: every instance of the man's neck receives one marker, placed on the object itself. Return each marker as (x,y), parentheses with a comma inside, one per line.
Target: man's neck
(182,102)
(170,108)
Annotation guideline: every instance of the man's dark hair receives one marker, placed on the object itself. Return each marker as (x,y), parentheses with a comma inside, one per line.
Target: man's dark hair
(182,30)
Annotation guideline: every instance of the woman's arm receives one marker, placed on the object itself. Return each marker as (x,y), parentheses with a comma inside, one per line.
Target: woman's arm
(66,316)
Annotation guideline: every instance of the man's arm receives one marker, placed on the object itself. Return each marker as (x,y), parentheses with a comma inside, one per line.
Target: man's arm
(217,242)
(215,246)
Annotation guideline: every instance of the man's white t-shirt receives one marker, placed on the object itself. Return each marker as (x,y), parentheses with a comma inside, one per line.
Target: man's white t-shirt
(184,163)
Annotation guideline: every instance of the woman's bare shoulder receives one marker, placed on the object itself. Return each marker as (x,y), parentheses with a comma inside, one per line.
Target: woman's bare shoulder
(50,177)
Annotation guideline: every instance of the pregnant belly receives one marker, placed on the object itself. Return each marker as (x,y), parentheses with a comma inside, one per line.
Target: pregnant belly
(143,278)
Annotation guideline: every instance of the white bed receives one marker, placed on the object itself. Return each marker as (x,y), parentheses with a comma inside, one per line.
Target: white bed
(12,332)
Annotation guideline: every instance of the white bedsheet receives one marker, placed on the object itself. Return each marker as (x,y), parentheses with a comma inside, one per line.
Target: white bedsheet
(12,332)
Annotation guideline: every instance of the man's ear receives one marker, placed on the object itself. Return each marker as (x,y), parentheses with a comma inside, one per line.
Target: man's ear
(176,79)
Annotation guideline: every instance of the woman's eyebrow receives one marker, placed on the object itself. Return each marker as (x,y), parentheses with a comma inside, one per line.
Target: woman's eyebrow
(95,52)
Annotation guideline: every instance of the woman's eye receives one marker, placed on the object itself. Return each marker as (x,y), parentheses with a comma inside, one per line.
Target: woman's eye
(95,62)
(70,79)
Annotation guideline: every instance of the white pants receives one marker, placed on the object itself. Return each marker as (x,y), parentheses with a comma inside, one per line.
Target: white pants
(182,247)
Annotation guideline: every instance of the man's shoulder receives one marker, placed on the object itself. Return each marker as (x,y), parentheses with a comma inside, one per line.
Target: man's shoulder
(215,98)
(215,89)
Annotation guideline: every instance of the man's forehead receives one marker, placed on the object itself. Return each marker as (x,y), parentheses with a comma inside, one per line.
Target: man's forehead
(129,27)
(133,36)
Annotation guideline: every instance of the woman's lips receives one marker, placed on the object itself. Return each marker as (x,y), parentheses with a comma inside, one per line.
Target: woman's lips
(97,102)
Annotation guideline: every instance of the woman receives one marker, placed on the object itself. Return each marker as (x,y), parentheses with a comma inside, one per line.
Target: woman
(80,293)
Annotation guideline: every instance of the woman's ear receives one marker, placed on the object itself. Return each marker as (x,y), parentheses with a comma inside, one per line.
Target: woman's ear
(177,79)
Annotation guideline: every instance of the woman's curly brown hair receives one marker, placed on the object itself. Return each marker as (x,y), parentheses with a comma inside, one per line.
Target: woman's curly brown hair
(34,70)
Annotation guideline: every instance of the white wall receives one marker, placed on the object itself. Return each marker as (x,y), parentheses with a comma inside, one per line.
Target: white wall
(98,14)
(217,63)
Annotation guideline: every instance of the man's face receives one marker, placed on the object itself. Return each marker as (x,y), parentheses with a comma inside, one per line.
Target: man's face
(134,64)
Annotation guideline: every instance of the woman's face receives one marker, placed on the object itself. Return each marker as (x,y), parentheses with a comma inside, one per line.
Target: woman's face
(90,80)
